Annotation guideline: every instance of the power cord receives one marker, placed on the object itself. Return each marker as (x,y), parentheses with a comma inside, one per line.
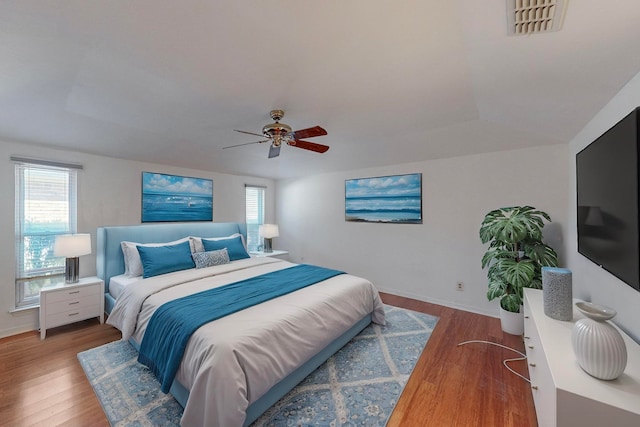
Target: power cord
(504,362)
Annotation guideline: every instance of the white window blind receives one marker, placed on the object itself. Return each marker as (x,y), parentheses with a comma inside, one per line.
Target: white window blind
(255,215)
(45,202)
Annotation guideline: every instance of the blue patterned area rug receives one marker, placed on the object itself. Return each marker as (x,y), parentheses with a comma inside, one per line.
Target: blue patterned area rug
(360,384)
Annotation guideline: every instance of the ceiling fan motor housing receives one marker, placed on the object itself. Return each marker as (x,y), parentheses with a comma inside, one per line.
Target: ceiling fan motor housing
(278,132)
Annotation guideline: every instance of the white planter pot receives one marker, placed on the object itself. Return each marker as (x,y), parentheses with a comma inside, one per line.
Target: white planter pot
(512,323)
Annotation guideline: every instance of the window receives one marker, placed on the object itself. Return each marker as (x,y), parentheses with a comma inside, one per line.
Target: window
(45,201)
(255,215)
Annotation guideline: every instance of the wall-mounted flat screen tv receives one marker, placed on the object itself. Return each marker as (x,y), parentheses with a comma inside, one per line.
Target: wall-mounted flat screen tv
(607,186)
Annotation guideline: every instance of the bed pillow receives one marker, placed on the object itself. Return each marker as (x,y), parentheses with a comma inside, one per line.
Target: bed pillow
(211,258)
(132,263)
(158,260)
(234,246)
(196,242)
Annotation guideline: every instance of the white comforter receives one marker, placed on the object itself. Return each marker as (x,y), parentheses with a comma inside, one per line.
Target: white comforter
(233,361)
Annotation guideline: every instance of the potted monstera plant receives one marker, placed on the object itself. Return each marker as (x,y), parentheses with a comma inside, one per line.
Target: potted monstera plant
(515,258)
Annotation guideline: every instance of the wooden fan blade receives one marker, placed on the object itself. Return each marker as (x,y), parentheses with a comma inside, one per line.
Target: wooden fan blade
(274,151)
(318,148)
(308,133)
(246,143)
(249,133)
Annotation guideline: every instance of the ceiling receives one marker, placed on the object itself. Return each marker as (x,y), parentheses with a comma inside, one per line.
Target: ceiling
(168,81)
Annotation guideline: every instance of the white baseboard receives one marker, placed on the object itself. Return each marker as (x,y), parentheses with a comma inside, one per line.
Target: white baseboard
(437,301)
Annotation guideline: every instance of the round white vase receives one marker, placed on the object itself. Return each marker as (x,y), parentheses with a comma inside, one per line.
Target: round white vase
(599,347)
(512,323)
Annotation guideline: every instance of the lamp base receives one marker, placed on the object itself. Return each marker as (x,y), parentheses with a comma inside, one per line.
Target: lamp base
(72,270)
(267,245)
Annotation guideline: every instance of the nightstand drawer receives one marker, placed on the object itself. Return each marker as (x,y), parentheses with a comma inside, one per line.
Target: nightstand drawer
(70,304)
(73,315)
(73,293)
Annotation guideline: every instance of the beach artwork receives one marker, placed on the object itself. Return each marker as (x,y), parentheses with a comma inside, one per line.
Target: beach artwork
(389,199)
(170,198)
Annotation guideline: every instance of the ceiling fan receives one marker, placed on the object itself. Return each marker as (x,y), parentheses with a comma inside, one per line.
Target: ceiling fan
(278,133)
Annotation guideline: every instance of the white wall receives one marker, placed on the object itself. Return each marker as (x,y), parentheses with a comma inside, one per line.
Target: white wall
(420,261)
(109,193)
(590,282)
(425,261)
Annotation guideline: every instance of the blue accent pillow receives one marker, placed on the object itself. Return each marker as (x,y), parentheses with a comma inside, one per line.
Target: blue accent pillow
(158,260)
(234,246)
(211,258)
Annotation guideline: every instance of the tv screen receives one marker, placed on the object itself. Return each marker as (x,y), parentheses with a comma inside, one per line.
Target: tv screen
(607,186)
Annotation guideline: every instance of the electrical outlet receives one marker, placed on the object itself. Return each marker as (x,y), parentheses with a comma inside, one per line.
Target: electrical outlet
(460,286)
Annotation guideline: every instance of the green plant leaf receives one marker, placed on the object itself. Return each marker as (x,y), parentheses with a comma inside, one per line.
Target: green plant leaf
(519,274)
(486,232)
(494,272)
(496,254)
(542,254)
(488,256)
(497,288)
(513,224)
(536,283)
(511,302)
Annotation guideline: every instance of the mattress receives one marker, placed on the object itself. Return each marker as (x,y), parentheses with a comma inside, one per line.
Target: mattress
(118,283)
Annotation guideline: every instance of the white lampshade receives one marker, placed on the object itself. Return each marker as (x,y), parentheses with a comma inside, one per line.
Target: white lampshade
(268,231)
(72,245)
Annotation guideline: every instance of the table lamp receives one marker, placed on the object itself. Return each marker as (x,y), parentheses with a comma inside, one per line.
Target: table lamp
(268,232)
(72,246)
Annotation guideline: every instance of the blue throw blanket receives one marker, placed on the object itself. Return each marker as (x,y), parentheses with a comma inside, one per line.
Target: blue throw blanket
(172,324)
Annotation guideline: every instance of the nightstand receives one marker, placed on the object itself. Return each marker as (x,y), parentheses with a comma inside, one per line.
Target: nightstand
(275,253)
(71,302)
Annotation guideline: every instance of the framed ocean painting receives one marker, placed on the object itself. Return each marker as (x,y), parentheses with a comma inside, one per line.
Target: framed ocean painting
(168,198)
(389,199)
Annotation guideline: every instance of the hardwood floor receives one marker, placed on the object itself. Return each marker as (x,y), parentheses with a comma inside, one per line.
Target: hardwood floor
(464,385)
(42,383)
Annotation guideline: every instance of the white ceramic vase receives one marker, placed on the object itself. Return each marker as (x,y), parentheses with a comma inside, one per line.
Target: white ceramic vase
(599,347)
(512,323)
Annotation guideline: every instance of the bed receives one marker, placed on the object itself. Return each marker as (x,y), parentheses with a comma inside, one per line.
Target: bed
(236,367)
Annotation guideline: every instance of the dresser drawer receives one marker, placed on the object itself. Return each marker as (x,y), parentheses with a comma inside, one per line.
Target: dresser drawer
(542,386)
(535,355)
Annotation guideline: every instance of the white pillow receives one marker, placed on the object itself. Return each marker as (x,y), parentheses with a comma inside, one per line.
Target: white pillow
(132,263)
(196,242)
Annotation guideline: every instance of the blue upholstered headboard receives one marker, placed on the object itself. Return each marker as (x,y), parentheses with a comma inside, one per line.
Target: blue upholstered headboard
(110,260)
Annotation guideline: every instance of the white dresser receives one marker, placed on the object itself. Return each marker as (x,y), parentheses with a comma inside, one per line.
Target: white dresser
(68,303)
(564,394)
